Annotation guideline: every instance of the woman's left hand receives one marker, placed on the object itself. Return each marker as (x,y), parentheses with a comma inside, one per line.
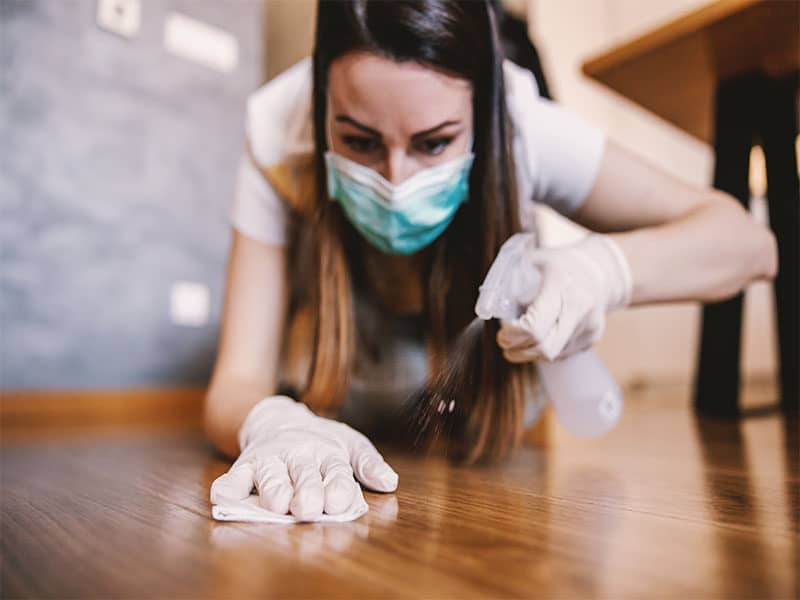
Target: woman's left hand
(580,284)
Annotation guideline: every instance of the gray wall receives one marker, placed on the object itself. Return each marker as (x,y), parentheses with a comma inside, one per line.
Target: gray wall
(117,165)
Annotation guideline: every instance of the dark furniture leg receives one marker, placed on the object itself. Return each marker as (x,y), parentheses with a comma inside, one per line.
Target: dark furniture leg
(778,129)
(716,390)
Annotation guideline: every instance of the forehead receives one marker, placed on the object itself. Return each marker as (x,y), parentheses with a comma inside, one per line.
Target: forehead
(385,94)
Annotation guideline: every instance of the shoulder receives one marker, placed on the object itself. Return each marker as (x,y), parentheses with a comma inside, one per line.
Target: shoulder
(278,119)
(520,84)
(556,152)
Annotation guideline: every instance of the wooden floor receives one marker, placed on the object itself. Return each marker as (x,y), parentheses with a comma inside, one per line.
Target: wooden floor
(665,507)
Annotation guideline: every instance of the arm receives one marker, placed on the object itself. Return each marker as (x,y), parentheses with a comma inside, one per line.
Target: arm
(245,371)
(298,462)
(659,240)
(681,242)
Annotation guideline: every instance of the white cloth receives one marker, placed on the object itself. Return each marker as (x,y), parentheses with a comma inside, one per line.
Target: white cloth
(556,153)
(249,510)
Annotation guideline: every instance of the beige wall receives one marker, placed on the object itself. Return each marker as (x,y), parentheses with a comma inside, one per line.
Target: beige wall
(650,343)
(289,31)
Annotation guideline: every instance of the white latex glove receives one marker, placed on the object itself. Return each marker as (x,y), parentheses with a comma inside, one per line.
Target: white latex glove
(580,284)
(302,463)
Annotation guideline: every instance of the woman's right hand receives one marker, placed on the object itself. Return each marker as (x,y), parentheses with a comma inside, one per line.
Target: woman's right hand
(301,463)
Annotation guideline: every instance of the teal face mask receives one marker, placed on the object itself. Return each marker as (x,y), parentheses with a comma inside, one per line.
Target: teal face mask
(399,219)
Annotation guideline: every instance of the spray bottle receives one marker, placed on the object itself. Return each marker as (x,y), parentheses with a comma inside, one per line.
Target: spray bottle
(584,395)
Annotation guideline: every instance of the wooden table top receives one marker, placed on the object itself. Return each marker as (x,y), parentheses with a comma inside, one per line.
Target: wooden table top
(673,70)
(666,506)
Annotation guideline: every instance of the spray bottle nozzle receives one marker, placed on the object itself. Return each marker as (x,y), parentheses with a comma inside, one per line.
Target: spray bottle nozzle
(512,282)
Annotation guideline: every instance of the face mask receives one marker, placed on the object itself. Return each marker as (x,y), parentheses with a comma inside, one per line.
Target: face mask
(399,219)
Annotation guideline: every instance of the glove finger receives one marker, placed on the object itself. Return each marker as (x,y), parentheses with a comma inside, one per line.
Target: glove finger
(522,352)
(541,315)
(557,339)
(236,484)
(273,484)
(512,335)
(520,344)
(368,465)
(308,500)
(516,335)
(551,348)
(338,483)
(582,342)
(537,352)
(522,356)
(376,474)
(575,345)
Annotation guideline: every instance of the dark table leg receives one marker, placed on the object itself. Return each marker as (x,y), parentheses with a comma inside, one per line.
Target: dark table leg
(778,129)
(750,106)
(717,379)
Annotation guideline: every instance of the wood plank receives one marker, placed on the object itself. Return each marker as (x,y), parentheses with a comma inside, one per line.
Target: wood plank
(666,506)
(65,408)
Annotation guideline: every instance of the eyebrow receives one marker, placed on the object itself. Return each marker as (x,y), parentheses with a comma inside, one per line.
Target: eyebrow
(376,133)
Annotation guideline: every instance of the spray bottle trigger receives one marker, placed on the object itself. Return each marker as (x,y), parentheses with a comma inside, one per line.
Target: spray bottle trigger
(511,283)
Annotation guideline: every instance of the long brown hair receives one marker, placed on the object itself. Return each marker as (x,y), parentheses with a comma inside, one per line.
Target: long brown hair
(458,38)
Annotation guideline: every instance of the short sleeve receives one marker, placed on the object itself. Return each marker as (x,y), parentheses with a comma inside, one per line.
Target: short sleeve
(257,210)
(557,153)
(277,125)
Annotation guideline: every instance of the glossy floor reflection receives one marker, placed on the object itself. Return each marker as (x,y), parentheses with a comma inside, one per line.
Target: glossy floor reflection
(666,506)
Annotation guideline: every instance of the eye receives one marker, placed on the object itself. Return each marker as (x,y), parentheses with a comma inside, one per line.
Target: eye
(360,144)
(434,146)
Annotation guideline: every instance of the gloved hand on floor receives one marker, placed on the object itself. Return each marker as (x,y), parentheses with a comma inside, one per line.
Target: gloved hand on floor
(301,464)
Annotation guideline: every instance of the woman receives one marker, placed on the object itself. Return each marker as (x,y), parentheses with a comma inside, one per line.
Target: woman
(396,166)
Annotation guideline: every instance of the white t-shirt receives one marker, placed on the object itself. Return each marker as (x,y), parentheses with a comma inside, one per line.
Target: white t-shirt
(556,153)
(556,156)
